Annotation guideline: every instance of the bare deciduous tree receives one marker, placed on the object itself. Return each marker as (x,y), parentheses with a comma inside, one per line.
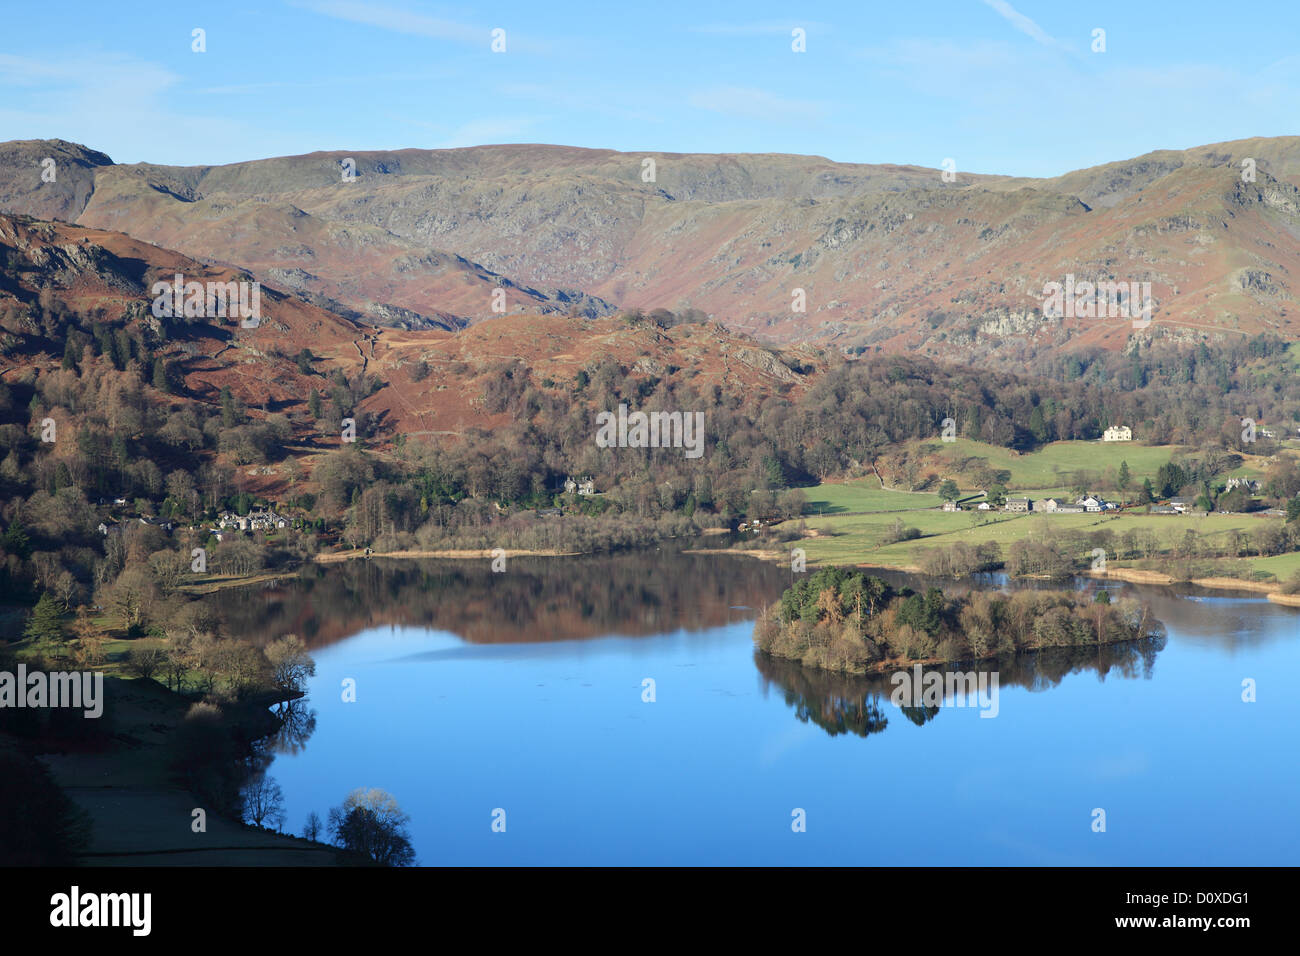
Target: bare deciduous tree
(291,665)
(263,802)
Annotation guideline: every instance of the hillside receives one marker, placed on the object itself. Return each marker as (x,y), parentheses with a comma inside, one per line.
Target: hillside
(889,257)
(64,288)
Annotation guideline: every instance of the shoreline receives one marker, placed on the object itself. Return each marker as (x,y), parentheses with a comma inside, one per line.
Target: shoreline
(1160,578)
(334,557)
(1270,590)
(1131,575)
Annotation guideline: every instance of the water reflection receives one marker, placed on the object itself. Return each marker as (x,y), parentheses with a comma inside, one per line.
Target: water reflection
(297,723)
(634,594)
(861,705)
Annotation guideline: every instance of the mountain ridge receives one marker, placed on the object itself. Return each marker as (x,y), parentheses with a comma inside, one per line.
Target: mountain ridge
(888,256)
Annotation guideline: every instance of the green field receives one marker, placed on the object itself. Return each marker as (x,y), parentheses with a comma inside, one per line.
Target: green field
(1281,565)
(859,539)
(1043,468)
(842,534)
(865,495)
(1039,473)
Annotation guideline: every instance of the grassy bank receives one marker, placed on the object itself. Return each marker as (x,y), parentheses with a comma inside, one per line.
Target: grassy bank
(131,802)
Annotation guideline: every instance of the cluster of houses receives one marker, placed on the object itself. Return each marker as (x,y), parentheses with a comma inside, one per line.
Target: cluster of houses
(253,521)
(227,522)
(1091,504)
(1249,484)
(106,526)
(1087,504)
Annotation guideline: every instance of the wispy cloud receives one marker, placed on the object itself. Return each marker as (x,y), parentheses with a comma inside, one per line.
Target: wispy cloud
(120,74)
(103,100)
(759,28)
(751,103)
(980,86)
(397,20)
(334,80)
(602,101)
(1024,24)
(411,23)
(490,129)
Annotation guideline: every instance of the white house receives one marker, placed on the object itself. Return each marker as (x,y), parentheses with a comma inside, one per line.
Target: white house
(1057,506)
(1091,503)
(1118,433)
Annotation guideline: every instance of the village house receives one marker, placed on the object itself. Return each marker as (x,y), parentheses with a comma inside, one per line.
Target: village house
(1018,504)
(983,506)
(228,519)
(1117,433)
(266,520)
(581,486)
(1249,484)
(1090,503)
(1056,506)
(951,506)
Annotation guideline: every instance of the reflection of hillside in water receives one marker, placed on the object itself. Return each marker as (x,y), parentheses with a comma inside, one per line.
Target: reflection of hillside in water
(1228,619)
(842,704)
(536,599)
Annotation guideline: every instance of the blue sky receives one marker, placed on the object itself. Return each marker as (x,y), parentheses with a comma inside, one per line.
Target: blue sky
(1001,86)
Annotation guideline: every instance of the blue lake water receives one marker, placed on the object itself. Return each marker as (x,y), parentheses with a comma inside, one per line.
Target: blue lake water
(555,733)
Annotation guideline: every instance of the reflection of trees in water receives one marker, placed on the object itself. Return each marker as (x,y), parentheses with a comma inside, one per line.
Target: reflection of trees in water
(837,703)
(840,703)
(538,599)
(297,723)
(919,715)
(1044,669)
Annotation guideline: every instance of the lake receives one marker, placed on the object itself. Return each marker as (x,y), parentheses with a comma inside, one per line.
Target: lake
(524,691)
